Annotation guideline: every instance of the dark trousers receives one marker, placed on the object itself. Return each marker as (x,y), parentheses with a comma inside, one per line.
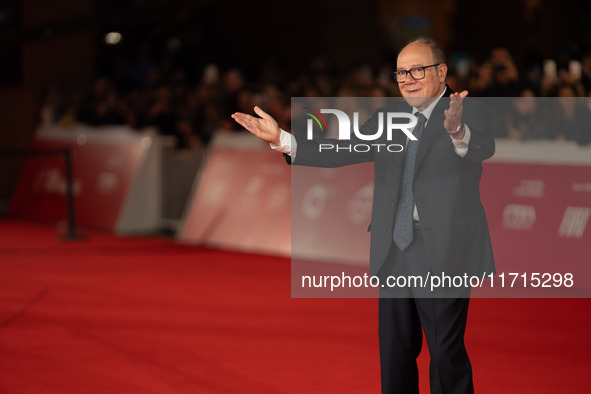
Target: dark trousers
(404,315)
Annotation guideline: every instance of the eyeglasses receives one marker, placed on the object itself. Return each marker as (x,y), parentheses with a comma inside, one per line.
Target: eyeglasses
(415,72)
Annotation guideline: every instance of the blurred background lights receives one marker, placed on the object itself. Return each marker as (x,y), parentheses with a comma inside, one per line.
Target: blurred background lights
(113,38)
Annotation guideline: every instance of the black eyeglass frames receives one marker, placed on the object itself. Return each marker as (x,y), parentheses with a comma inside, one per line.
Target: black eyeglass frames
(415,72)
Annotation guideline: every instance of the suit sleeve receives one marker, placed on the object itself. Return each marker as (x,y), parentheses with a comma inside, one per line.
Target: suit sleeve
(482,143)
(330,152)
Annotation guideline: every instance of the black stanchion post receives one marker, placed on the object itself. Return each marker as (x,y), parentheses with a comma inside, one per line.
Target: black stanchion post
(72,233)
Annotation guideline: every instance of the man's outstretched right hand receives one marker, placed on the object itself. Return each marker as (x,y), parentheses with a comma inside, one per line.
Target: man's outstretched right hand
(265,127)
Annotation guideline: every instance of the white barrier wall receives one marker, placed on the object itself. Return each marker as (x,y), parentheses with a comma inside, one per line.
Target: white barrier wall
(116,178)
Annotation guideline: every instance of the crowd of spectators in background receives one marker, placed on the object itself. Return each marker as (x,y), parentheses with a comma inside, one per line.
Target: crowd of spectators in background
(148,92)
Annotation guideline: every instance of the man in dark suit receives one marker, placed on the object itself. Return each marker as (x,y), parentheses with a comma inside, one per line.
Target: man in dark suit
(427,217)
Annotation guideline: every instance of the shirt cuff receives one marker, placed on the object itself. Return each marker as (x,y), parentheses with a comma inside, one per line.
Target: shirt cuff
(461,146)
(287,144)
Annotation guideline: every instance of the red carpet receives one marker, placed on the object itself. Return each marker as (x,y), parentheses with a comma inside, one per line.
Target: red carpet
(142,315)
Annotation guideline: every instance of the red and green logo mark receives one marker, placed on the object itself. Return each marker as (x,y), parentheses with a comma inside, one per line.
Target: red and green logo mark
(317,117)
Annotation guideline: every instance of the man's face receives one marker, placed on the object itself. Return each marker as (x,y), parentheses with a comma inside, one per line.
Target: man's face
(421,93)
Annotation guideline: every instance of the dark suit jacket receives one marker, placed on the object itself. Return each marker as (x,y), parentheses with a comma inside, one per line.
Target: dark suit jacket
(446,189)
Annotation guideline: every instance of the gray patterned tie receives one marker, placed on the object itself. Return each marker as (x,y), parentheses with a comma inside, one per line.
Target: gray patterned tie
(403,222)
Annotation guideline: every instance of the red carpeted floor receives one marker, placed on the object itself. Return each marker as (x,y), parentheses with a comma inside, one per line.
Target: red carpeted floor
(143,315)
